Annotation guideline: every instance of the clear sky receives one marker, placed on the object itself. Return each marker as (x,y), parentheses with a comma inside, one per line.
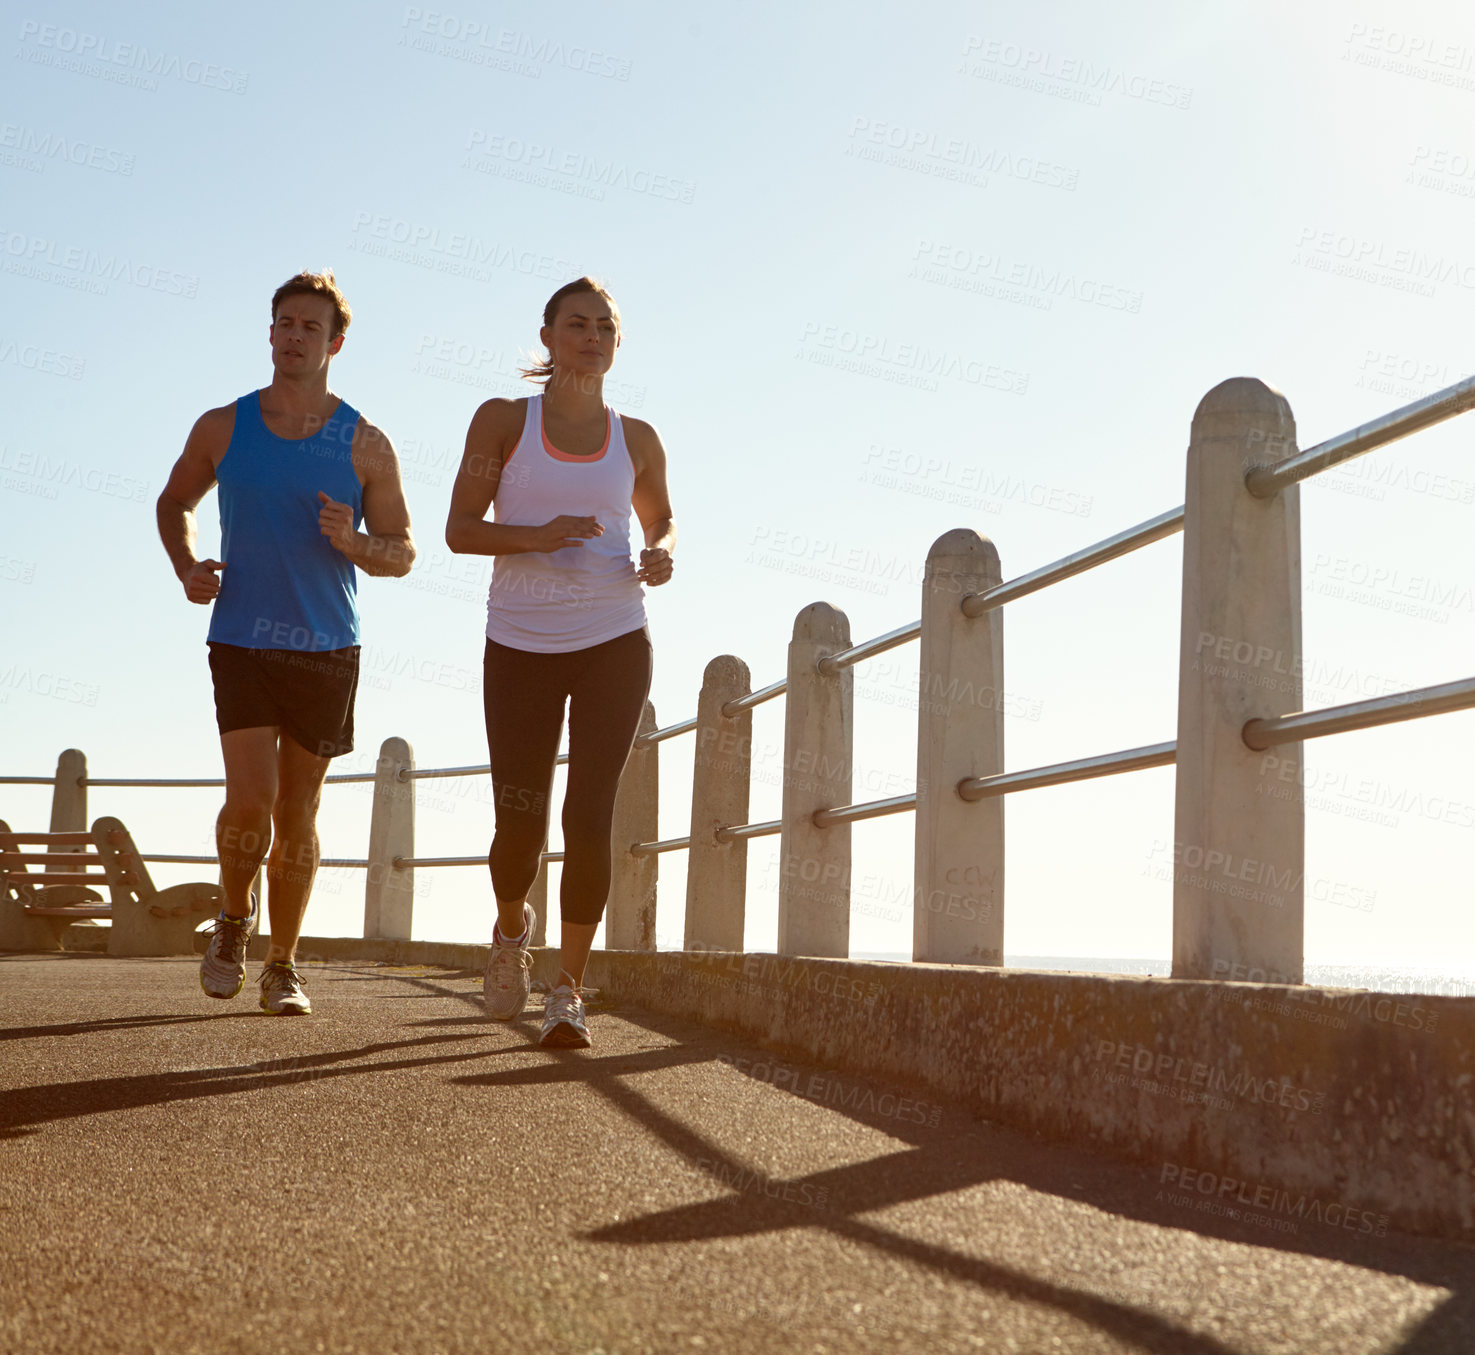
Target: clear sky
(1091,215)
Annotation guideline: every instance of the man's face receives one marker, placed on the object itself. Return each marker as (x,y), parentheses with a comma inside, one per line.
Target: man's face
(302,339)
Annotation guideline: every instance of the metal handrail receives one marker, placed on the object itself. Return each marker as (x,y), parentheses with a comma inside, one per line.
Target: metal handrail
(480,769)
(669,732)
(867,649)
(1266,481)
(1059,773)
(872,809)
(757,698)
(1380,710)
(408,862)
(670,844)
(1123,543)
(737,832)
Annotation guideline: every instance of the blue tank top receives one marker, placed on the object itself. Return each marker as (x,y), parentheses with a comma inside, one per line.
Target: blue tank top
(283,585)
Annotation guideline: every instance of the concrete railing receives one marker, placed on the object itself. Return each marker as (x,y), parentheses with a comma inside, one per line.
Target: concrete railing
(1238,855)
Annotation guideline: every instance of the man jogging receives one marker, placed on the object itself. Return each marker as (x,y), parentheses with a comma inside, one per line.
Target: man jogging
(298,469)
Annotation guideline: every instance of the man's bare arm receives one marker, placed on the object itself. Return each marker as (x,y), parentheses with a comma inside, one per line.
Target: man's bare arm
(192,477)
(386,549)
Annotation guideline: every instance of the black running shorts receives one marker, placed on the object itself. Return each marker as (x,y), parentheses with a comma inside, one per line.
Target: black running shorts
(307,695)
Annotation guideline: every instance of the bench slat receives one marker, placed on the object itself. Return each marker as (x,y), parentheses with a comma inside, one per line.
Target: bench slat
(72,910)
(26,877)
(47,839)
(9,859)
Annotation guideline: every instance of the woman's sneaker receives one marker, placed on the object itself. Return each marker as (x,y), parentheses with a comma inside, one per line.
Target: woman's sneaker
(506,982)
(223,966)
(563,1019)
(281,991)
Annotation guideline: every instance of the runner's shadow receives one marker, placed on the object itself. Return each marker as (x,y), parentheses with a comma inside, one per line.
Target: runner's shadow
(26,1107)
(106,1023)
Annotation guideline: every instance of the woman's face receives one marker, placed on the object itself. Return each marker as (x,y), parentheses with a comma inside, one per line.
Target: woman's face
(583,336)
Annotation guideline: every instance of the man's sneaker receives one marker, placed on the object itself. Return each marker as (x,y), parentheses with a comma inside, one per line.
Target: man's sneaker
(281,991)
(563,1019)
(505,983)
(223,966)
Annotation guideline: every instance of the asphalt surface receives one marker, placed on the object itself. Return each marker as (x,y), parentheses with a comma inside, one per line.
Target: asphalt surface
(395,1173)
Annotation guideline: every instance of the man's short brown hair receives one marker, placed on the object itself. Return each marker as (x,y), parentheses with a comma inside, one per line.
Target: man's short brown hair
(322,284)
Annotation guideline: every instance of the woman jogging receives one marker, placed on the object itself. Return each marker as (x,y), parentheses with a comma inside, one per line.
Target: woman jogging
(565,623)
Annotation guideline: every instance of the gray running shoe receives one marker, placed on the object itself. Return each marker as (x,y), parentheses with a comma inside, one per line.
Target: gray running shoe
(281,991)
(223,966)
(505,983)
(563,1019)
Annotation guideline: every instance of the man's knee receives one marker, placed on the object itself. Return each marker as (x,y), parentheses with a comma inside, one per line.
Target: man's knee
(296,809)
(248,805)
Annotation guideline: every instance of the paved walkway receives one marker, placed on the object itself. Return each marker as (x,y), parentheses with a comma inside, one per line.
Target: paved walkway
(396,1174)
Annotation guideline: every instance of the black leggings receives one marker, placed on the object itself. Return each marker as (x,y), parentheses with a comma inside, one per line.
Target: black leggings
(606,687)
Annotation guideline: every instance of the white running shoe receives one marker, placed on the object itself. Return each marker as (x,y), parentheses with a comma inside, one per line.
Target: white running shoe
(223,965)
(563,1019)
(506,982)
(281,991)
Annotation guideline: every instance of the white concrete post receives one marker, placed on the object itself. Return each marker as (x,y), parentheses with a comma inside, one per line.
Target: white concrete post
(958,890)
(69,798)
(717,872)
(819,727)
(1238,853)
(69,794)
(538,897)
(389,895)
(630,918)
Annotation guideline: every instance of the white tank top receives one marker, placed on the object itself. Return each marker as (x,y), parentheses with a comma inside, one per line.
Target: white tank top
(551,602)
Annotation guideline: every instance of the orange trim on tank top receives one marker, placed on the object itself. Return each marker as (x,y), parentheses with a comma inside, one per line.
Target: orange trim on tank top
(587,457)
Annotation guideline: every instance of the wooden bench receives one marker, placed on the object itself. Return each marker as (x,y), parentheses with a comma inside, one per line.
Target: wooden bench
(37,906)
